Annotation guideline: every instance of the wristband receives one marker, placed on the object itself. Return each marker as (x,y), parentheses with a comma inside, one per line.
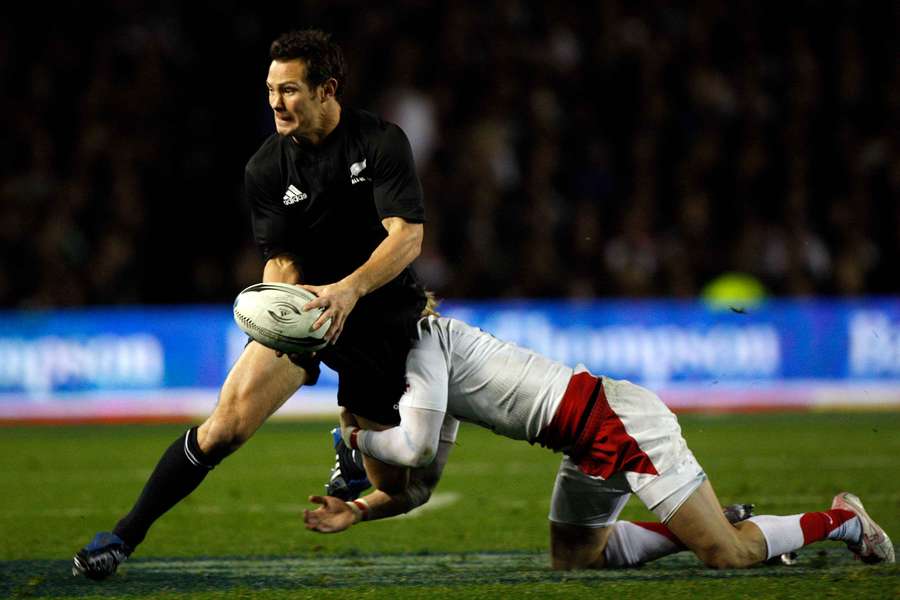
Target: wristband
(348,434)
(360,510)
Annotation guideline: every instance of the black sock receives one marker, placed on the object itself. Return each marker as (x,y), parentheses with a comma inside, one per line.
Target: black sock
(180,470)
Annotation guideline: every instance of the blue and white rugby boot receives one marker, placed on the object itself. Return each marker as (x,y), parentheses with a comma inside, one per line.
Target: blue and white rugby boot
(100,559)
(348,476)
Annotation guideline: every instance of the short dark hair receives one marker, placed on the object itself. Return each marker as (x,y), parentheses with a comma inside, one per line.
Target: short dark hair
(323,58)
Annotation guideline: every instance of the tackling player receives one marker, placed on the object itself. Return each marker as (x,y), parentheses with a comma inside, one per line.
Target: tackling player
(617,438)
(632,543)
(327,174)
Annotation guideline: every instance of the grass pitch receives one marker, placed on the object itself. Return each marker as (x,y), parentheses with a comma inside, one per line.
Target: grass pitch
(484,535)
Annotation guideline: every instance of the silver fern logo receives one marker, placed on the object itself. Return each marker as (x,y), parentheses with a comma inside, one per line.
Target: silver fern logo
(355,172)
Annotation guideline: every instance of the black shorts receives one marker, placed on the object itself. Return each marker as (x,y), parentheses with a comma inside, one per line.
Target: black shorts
(370,359)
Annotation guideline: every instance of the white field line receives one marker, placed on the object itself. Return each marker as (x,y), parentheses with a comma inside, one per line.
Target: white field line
(437,501)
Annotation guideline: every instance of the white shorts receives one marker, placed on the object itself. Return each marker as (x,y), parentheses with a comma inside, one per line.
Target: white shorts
(596,501)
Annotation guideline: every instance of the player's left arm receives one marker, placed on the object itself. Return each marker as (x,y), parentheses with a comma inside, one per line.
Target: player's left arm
(335,515)
(398,198)
(395,252)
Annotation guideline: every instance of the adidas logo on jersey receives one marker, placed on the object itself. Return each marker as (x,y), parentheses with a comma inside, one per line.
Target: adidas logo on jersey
(293,195)
(355,170)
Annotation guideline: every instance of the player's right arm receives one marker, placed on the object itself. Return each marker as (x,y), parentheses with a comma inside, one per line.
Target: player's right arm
(269,222)
(281,269)
(268,217)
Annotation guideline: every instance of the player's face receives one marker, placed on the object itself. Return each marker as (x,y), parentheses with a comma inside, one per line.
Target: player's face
(297,108)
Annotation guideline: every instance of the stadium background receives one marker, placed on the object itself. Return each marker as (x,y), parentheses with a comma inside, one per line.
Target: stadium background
(608,149)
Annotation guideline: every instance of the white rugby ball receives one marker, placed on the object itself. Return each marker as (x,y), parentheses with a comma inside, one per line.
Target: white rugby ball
(273,315)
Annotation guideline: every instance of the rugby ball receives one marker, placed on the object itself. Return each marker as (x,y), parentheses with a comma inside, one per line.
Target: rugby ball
(273,315)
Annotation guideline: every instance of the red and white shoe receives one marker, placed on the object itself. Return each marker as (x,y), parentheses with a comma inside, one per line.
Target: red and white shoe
(875,546)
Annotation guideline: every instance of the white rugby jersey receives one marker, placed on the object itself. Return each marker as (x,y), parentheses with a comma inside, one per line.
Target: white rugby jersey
(473,376)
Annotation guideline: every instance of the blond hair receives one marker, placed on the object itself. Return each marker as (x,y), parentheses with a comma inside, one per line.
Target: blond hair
(431,303)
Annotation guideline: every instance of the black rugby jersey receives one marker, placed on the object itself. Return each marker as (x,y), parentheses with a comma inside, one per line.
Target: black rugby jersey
(324,204)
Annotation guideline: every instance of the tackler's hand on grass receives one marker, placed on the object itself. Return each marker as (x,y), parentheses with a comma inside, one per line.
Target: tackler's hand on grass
(338,300)
(333,516)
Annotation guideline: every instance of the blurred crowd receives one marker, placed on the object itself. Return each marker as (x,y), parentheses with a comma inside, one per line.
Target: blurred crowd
(584,149)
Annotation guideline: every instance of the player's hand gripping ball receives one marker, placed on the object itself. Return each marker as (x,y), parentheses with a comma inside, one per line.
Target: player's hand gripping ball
(273,315)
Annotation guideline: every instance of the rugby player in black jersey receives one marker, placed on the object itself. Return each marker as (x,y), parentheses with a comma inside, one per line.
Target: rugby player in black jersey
(336,206)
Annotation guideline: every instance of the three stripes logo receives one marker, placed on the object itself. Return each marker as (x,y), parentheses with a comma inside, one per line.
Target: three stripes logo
(293,195)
